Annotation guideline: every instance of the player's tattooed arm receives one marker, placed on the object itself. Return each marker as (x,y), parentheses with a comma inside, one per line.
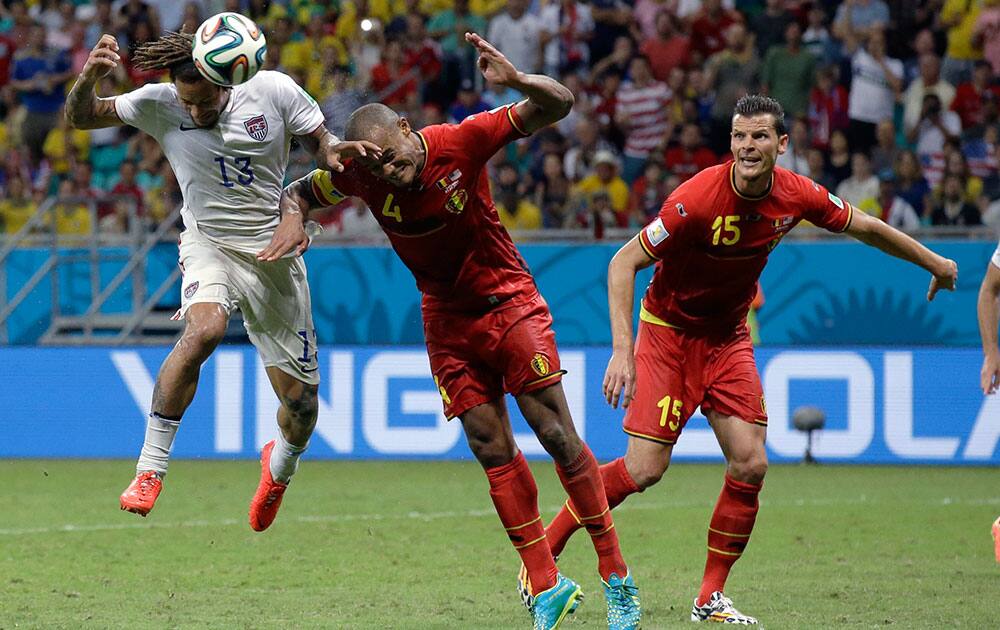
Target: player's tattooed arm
(329,151)
(297,199)
(84,109)
(548,100)
(874,232)
(619,378)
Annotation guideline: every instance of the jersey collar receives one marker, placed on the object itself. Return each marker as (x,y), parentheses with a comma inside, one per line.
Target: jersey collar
(732,182)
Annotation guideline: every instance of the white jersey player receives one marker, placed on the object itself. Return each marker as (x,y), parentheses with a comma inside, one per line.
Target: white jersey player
(229,149)
(988,309)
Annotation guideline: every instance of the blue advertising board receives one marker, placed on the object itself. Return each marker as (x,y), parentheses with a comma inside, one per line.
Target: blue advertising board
(890,405)
(836,292)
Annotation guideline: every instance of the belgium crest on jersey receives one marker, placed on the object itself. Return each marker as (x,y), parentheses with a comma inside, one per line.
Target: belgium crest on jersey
(256,127)
(456,203)
(540,364)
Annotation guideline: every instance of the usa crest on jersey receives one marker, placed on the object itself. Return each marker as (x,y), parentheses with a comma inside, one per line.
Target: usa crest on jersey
(256,127)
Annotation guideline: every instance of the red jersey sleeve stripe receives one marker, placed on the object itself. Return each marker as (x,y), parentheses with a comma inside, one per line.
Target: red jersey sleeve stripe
(515,121)
(850,216)
(320,192)
(646,247)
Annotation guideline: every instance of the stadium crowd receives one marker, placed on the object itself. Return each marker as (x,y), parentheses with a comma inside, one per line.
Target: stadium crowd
(895,106)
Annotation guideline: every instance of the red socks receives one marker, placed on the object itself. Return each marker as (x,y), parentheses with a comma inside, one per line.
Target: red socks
(728,533)
(618,485)
(515,496)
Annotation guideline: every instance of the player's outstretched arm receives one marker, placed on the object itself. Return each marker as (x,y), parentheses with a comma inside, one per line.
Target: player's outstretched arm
(619,378)
(329,151)
(297,200)
(874,232)
(84,109)
(988,309)
(548,100)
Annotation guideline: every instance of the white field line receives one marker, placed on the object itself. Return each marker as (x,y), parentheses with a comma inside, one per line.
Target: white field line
(431,516)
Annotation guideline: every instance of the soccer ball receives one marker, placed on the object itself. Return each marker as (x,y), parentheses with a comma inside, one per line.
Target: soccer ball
(228,49)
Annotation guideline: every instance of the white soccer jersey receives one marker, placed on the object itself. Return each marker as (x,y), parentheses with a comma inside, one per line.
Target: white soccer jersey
(996,256)
(231,175)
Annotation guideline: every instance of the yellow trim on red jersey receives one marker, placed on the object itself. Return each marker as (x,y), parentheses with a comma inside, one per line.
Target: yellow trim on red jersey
(732,182)
(646,248)
(534,520)
(323,188)
(649,437)
(513,122)
(725,553)
(762,423)
(649,318)
(850,216)
(569,508)
(528,544)
(545,378)
(718,531)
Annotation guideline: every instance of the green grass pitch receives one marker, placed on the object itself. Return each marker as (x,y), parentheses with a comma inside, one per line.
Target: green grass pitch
(416,545)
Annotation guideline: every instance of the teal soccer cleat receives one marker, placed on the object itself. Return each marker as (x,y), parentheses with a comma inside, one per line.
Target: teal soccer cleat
(624,611)
(550,607)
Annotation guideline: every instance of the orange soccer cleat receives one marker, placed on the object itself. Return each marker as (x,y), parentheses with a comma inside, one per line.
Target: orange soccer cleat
(996,537)
(141,494)
(265,503)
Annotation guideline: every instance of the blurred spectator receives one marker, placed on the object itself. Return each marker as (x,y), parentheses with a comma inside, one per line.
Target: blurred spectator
(126,186)
(816,38)
(959,18)
(39,77)
(605,179)
(788,72)
(8,47)
(839,162)
(796,155)
(306,53)
(690,156)
(709,28)
(64,145)
(731,73)
(566,27)
(953,209)
(911,184)
(885,150)
(171,12)
(983,156)
(859,18)
(497,95)
(102,22)
(423,53)
(517,34)
(467,104)
(935,127)
(16,205)
(617,61)
(971,96)
(70,215)
(641,112)
(890,207)
(393,83)
(929,82)
(552,192)
(817,170)
(987,32)
(828,106)
(650,191)
(861,188)
(769,27)
(923,44)
(595,213)
(449,27)
(668,49)
(875,82)
(515,209)
(345,97)
(612,19)
(586,144)
(135,12)
(972,186)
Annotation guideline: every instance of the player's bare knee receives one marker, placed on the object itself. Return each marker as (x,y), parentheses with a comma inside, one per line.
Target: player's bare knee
(201,338)
(646,471)
(302,406)
(561,444)
(750,469)
(492,451)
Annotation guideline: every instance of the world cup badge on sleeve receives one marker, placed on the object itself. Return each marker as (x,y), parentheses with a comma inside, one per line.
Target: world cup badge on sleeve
(256,127)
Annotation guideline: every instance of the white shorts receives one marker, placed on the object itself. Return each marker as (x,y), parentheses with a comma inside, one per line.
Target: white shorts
(273,297)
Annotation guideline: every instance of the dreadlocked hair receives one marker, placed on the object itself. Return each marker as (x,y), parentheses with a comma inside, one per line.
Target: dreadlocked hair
(171,52)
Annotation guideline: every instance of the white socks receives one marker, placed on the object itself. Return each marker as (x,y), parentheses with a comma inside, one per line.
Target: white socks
(285,459)
(155,452)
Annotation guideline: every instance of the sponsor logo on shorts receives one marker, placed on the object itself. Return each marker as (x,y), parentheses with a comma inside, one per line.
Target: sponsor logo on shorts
(836,200)
(256,127)
(456,203)
(680,209)
(656,233)
(540,364)
(190,290)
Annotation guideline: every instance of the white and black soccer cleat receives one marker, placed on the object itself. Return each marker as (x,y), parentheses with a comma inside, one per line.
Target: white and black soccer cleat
(720,609)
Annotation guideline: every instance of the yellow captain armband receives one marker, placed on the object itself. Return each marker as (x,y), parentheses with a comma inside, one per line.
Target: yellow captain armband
(323,188)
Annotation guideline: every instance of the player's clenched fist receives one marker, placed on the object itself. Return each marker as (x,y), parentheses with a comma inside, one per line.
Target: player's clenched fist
(946,278)
(102,60)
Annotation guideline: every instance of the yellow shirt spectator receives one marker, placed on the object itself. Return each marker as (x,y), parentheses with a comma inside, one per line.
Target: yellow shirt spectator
(72,219)
(616,188)
(526,217)
(14,213)
(57,148)
(963,14)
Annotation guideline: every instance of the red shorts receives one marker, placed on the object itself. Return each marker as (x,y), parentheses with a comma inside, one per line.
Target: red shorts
(475,358)
(676,372)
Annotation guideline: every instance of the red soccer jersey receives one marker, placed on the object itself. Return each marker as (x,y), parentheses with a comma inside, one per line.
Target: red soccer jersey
(445,227)
(711,244)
